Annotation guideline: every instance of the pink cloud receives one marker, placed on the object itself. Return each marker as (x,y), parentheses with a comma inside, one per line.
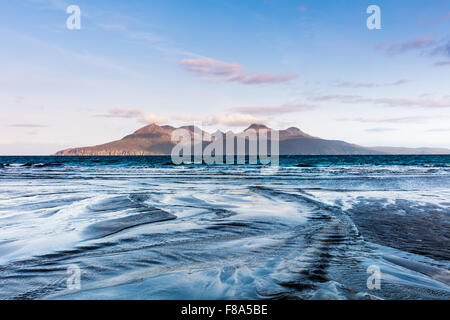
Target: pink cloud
(381,130)
(138,114)
(233,120)
(382,46)
(262,78)
(390,102)
(339,97)
(442,63)
(410,119)
(302,9)
(413,102)
(349,84)
(273,110)
(211,66)
(232,72)
(445,17)
(229,119)
(442,49)
(120,112)
(421,42)
(427,21)
(152,118)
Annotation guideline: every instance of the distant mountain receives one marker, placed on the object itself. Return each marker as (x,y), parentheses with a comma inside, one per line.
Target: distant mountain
(399,150)
(156,140)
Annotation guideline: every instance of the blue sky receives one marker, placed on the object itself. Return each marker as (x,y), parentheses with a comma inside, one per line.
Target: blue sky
(223,64)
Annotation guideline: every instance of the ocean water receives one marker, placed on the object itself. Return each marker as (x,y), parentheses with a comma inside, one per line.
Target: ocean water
(141,228)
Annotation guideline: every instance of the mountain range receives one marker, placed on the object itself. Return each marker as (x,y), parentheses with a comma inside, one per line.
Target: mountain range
(156,140)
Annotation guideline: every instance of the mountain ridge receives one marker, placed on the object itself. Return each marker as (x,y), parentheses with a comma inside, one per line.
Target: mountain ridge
(156,140)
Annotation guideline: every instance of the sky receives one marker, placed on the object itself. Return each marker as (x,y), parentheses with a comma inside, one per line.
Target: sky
(223,64)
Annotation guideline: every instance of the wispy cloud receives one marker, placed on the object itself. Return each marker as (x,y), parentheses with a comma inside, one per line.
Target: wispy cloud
(274,110)
(411,119)
(426,45)
(186,118)
(417,43)
(441,63)
(85,57)
(339,98)
(211,67)
(445,17)
(390,102)
(374,130)
(439,130)
(95,61)
(27,125)
(436,20)
(228,119)
(138,114)
(146,36)
(152,118)
(259,78)
(112,26)
(121,112)
(19,99)
(233,120)
(232,72)
(53,4)
(443,48)
(302,9)
(355,85)
(405,102)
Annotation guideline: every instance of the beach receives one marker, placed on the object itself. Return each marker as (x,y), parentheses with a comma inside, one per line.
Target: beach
(142,228)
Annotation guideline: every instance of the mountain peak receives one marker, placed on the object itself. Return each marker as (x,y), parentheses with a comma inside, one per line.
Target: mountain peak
(256,126)
(151,128)
(293,132)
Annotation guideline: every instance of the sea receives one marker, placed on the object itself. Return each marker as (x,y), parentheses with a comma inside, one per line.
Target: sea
(316,227)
